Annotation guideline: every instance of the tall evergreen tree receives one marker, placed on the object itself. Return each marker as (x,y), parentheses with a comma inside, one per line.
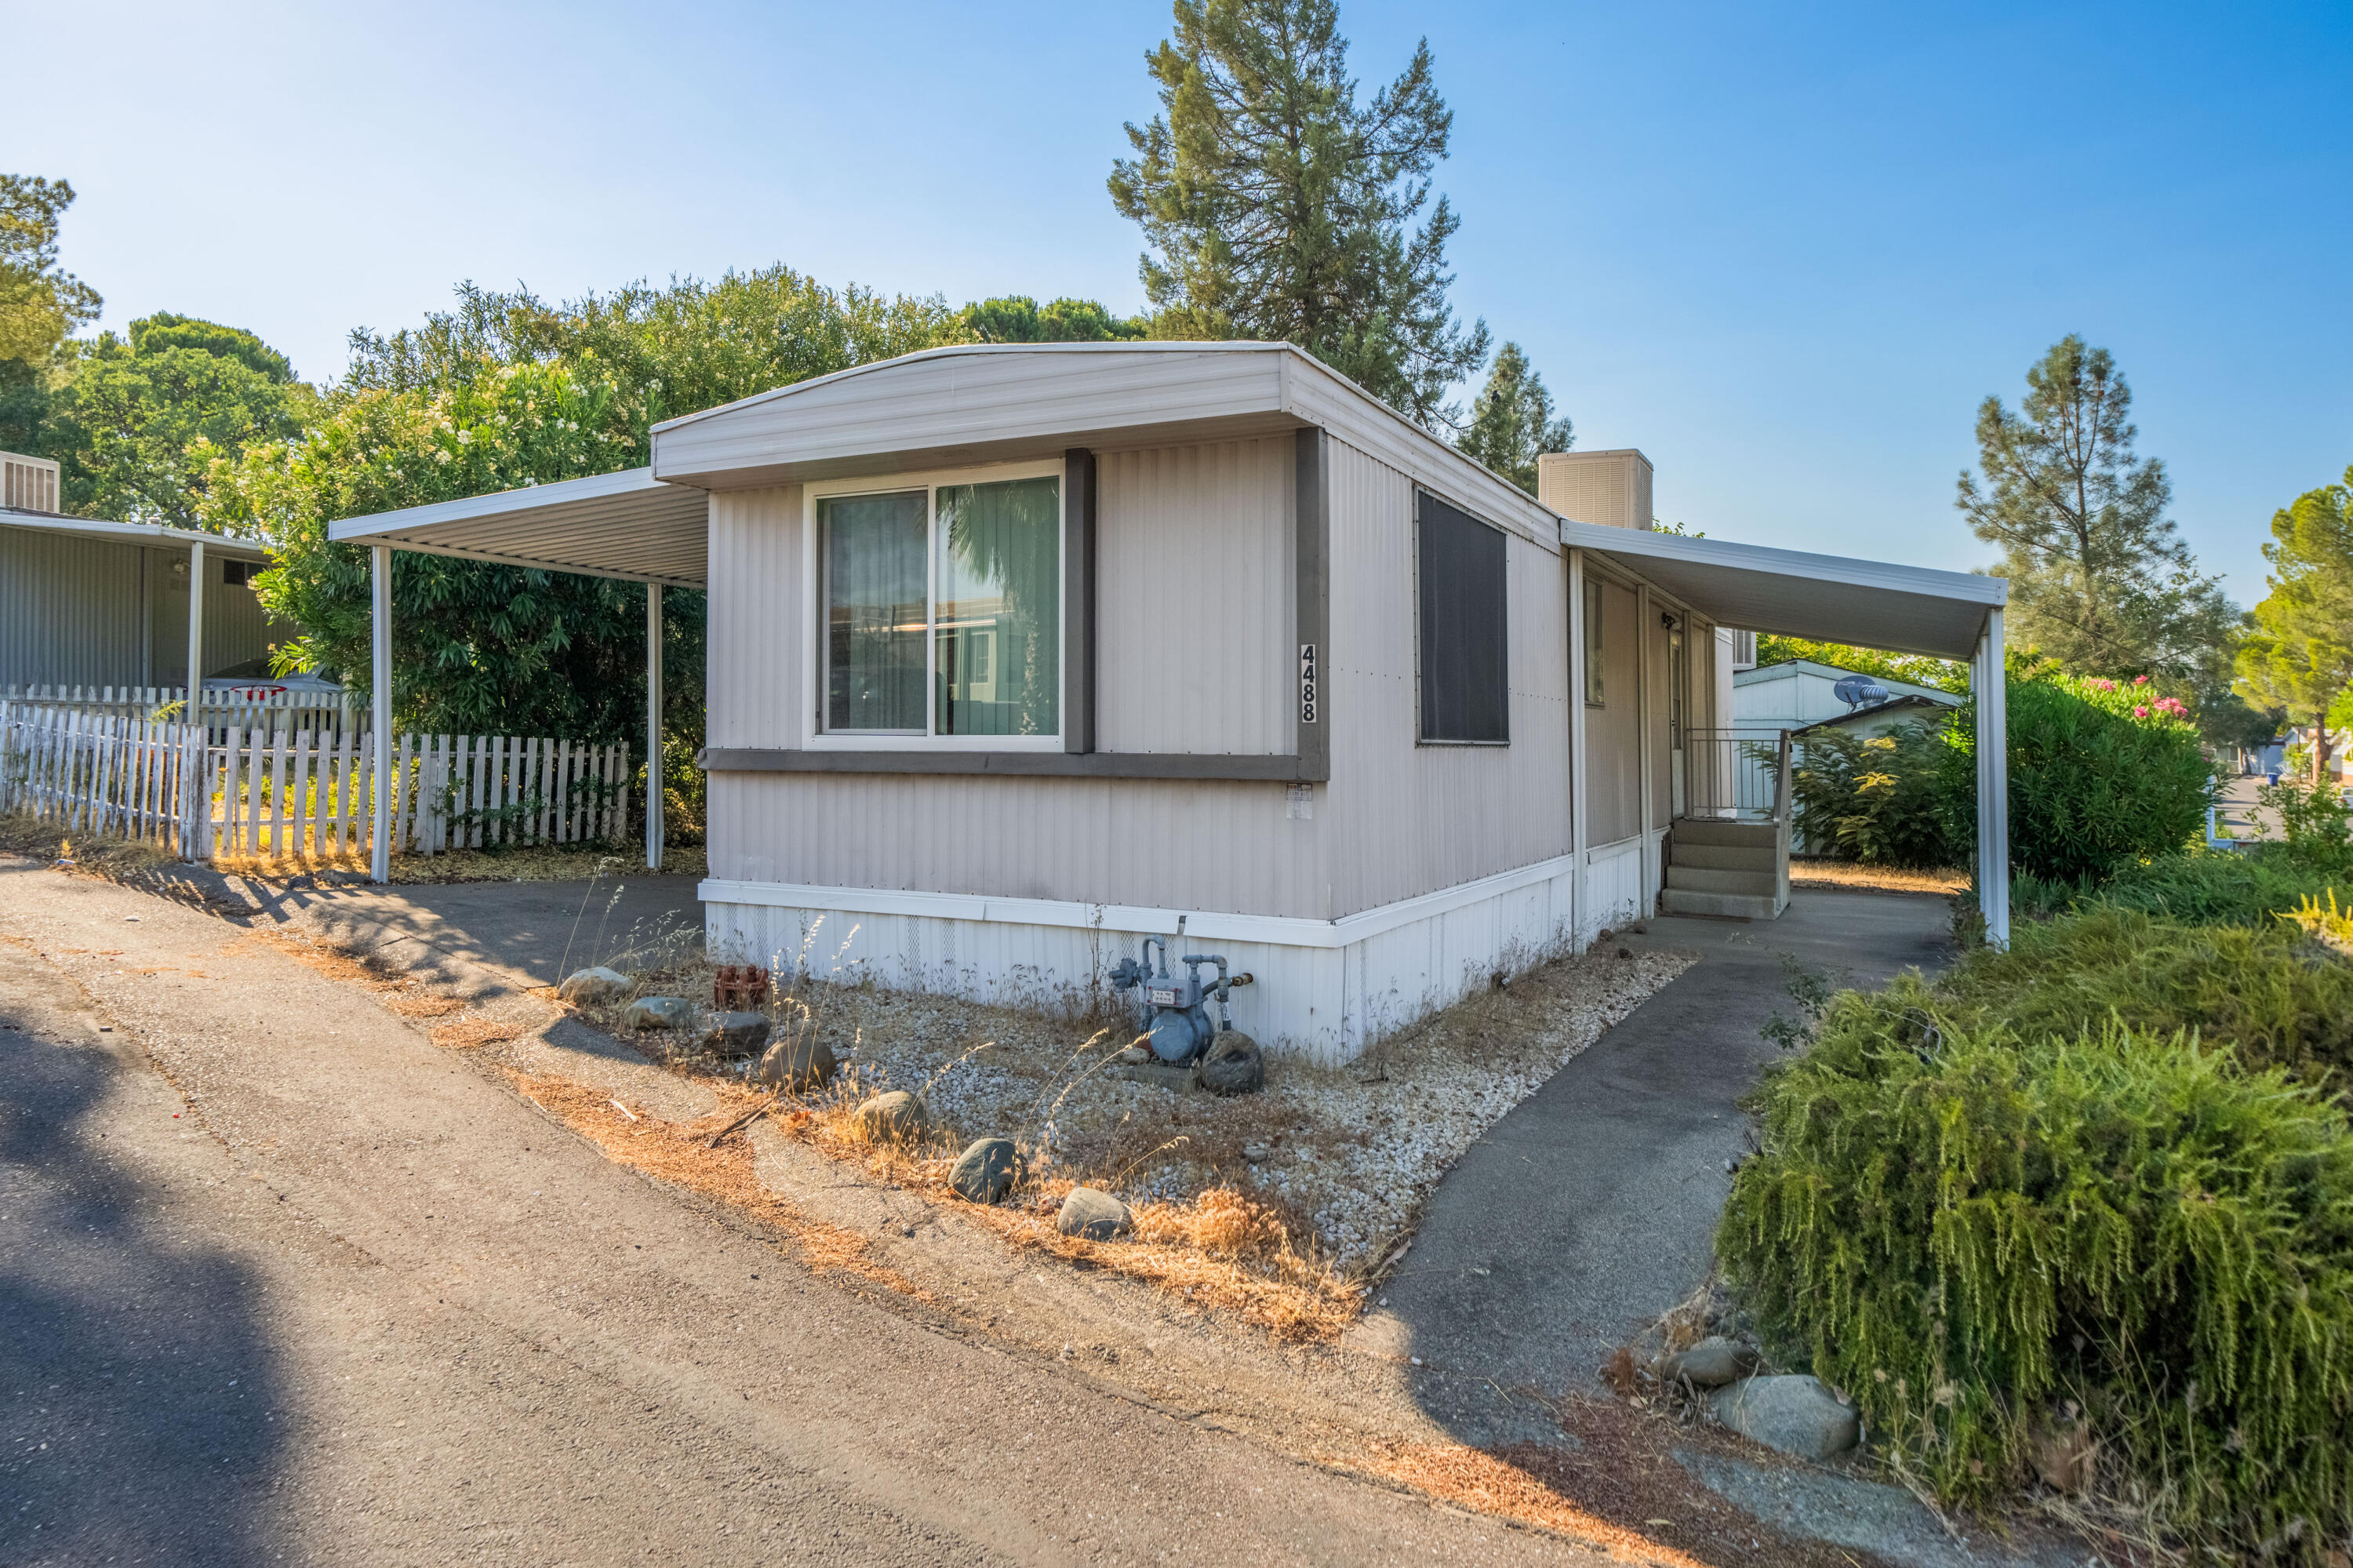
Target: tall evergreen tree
(2299,652)
(1280,208)
(2099,577)
(1512,421)
(41,306)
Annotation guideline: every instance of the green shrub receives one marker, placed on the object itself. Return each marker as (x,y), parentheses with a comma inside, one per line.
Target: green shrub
(2263,990)
(2315,823)
(1981,1238)
(2100,775)
(2203,887)
(1876,800)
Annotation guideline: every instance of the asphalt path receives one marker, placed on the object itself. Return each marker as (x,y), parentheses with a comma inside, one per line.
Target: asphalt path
(282,1282)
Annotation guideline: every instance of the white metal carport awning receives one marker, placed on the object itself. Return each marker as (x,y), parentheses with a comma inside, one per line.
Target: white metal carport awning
(1793,593)
(628,525)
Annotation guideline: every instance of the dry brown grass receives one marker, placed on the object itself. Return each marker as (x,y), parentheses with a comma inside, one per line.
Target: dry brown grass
(1810,873)
(1219,1249)
(1489,1483)
(683,1154)
(22,833)
(521,862)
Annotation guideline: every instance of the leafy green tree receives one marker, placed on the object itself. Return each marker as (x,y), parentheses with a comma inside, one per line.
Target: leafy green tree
(666,351)
(1018,318)
(2099,577)
(138,428)
(40,305)
(1279,206)
(1512,421)
(1945,674)
(2298,654)
(477,648)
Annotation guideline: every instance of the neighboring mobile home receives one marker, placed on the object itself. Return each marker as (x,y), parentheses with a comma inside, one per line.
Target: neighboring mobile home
(1018,653)
(86,603)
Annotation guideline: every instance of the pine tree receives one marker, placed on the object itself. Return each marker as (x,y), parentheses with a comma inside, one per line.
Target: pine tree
(2099,578)
(1512,421)
(1280,208)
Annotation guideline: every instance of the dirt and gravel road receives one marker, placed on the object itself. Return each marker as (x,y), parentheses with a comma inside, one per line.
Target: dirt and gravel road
(282,1281)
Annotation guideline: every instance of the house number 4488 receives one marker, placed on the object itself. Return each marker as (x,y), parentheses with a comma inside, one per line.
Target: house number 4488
(1309,694)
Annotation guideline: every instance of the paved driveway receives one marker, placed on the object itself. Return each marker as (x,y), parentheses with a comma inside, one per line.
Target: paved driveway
(1589,1209)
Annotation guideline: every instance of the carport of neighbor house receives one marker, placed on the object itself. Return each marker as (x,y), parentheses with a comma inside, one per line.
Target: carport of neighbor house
(1831,598)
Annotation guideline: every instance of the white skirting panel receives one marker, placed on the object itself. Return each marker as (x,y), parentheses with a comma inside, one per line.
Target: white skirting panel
(1614,878)
(1323,991)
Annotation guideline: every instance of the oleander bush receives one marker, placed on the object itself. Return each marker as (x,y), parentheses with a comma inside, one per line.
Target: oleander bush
(2101,774)
(1994,1239)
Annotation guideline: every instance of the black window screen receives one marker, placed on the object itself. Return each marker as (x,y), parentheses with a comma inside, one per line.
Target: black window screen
(1465,688)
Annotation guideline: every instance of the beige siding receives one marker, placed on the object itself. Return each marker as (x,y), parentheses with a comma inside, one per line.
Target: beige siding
(757,610)
(1409,818)
(1195,599)
(1198,540)
(1612,731)
(1167,844)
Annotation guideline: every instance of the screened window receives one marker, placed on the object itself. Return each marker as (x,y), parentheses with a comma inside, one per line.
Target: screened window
(944,610)
(1465,687)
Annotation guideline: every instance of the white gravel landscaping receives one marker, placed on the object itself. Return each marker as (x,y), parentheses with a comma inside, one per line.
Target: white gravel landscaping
(1350,1152)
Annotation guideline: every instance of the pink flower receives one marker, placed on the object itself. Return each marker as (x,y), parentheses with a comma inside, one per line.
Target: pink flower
(2100,686)
(2140,711)
(2140,680)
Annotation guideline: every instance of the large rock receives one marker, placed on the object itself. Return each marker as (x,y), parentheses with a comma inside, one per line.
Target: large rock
(1233,1064)
(658,1012)
(1713,1363)
(585,987)
(1093,1215)
(1798,1414)
(736,1033)
(896,1117)
(987,1170)
(799,1064)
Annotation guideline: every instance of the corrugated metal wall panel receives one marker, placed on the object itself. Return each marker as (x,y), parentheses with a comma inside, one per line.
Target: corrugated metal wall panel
(1408,819)
(755,638)
(1195,601)
(68,609)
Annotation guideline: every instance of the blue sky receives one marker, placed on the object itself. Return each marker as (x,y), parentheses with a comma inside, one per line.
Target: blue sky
(1784,251)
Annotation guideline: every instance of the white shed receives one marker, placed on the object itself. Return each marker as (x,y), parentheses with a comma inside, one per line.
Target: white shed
(1018,653)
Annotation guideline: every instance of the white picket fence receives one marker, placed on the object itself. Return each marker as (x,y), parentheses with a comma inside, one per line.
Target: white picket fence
(254,706)
(208,792)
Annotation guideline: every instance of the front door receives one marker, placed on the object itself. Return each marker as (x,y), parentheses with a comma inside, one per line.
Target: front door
(1678,684)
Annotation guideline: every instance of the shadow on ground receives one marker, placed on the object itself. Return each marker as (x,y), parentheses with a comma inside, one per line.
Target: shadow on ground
(142,1392)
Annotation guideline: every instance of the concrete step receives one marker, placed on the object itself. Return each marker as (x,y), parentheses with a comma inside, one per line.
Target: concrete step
(1725,857)
(1714,830)
(1697,879)
(1740,905)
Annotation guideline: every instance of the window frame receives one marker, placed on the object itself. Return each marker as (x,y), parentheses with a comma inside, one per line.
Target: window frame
(1420,720)
(817,646)
(1597,647)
